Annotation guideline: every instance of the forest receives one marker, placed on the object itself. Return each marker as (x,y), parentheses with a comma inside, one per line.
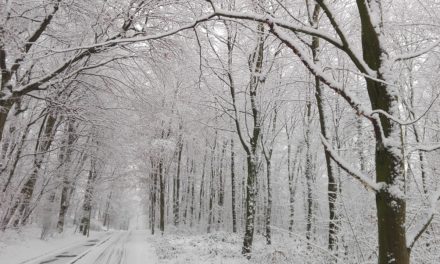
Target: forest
(223,131)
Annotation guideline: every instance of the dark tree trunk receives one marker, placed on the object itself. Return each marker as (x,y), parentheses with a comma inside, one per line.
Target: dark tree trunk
(233,191)
(161,197)
(269,202)
(391,209)
(153,197)
(176,185)
(332,186)
(211,187)
(309,172)
(256,65)
(221,186)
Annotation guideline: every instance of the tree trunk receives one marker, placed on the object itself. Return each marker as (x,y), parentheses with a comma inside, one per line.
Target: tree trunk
(391,209)
(234,212)
(16,157)
(84,227)
(221,187)
(191,221)
(211,187)
(309,171)
(250,205)
(332,186)
(202,186)
(21,208)
(161,197)
(176,185)
(269,202)
(256,65)
(4,112)
(65,161)
(153,197)
(106,221)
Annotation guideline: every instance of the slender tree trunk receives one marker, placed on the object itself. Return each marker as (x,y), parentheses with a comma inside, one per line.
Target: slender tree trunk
(187,194)
(267,152)
(221,187)
(176,185)
(88,197)
(66,160)
(233,191)
(106,221)
(161,197)
(211,187)
(202,186)
(153,192)
(269,202)
(290,176)
(309,171)
(332,186)
(193,172)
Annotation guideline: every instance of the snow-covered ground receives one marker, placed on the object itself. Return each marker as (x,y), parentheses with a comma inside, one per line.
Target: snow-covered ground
(225,248)
(139,247)
(25,245)
(126,247)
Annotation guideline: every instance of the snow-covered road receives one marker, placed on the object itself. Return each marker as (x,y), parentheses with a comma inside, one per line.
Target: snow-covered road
(122,247)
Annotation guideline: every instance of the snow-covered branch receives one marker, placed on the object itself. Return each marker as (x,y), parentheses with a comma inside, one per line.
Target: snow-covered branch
(300,28)
(138,39)
(328,80)
(358,175)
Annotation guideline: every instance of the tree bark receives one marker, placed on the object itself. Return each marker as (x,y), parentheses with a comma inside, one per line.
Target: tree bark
(391,209)
(309,171)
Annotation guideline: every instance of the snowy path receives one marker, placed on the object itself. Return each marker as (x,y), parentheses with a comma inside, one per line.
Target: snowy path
(129,247)
(124,247)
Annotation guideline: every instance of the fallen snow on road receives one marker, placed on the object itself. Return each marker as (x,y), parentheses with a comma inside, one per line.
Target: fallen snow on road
(23,245)
(138,249)
(125,247)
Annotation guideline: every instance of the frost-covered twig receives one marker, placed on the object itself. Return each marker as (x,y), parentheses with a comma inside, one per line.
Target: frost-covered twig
(424,224)
(138,39)
(425,148)
(309,242)
(357,59)
(418,53)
